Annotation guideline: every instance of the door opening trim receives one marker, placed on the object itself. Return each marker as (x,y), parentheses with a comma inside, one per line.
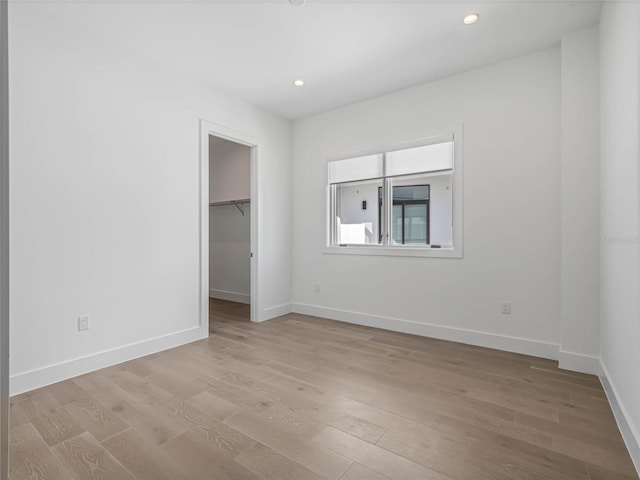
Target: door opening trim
(209,128)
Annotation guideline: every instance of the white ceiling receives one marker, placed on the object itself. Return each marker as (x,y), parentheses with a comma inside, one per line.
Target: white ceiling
(346,51)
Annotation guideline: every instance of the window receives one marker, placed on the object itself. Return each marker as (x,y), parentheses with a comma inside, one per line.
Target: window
(395,202)
(410,214)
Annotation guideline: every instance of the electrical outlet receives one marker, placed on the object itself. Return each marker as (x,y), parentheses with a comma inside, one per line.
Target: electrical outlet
(317,288)
(506,308)
(83,323)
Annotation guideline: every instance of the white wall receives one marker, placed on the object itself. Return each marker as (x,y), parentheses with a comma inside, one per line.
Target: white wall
(580,202)
(105,197)
(4,243)
(511,144)
(229,253)
(620,214)
(229,170)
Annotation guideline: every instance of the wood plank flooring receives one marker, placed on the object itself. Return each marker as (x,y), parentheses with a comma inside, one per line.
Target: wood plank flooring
(303,398)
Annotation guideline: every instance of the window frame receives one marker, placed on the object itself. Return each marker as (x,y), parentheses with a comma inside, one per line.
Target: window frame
(406,250)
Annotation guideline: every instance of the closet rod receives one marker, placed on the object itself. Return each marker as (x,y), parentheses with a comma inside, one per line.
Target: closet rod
(237,204)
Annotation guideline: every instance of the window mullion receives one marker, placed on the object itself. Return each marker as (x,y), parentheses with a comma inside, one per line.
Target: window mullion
(387,200)
(334,211)
(385,203)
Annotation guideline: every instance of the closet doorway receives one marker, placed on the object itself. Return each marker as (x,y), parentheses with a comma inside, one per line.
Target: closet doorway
(229,236)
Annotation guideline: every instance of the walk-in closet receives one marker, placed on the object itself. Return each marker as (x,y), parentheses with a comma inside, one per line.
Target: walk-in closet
(229,228)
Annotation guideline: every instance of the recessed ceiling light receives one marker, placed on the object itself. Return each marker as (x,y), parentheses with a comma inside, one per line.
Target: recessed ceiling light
(298,3)
(298,83)
(470,18)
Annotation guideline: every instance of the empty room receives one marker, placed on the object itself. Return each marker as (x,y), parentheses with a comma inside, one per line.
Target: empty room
(319,239)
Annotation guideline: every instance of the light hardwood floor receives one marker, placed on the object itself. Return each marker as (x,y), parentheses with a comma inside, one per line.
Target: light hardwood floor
(301,398)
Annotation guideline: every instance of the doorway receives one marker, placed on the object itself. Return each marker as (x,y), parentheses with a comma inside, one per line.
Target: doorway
(229,226)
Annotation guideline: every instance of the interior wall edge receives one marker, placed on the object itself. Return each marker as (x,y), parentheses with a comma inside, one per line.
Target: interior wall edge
(627,429)
(523,346)
(579,362)
(275,311)
(40,377)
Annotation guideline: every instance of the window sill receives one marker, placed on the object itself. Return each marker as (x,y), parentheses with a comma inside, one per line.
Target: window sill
(442,252)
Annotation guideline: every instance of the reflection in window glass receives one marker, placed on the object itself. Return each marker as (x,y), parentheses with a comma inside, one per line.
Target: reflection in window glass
(414,219)
(357,221)
(410,215)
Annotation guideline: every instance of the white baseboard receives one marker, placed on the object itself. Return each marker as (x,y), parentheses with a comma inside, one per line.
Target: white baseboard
(625,425)
(471,337)
(230,296)
(579,362)
(273,312)
(26,381)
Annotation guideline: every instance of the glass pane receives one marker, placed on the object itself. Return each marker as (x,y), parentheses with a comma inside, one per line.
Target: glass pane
(437,190)
(415,223)
(410,192)
(396,227)
(410,214)
(357,213)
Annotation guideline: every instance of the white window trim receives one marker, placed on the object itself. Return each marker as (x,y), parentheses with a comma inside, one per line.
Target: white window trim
(408,250)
